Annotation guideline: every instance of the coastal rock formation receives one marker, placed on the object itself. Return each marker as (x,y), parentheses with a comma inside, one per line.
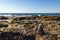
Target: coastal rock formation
(30,28)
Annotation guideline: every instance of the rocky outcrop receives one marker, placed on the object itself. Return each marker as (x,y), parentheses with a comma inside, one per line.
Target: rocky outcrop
(18,29)
(15,36)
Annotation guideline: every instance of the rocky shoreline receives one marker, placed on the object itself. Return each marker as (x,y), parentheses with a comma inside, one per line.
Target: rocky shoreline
(30,28)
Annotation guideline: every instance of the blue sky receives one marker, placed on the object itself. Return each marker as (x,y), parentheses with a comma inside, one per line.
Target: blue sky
(29,6)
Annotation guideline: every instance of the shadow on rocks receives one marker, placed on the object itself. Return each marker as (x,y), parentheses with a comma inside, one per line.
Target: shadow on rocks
(15,36)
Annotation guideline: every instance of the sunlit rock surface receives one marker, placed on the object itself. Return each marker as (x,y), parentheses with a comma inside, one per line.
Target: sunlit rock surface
(30,28)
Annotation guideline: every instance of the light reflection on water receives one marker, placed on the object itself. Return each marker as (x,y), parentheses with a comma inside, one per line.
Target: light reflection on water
(30,14)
